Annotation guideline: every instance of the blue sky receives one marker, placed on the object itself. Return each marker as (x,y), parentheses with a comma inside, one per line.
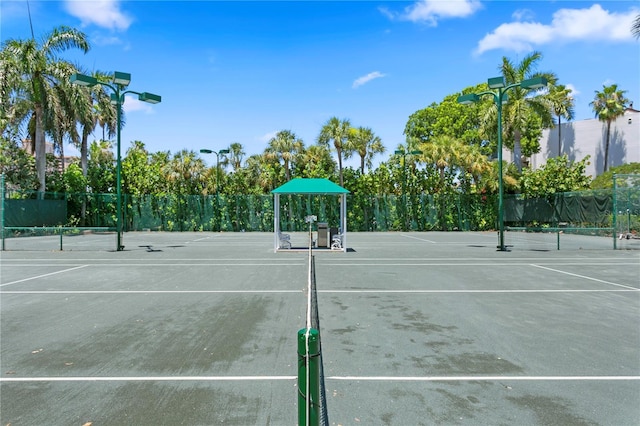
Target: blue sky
(240,71)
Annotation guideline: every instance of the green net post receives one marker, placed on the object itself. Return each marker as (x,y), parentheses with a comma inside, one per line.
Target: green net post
(308,367)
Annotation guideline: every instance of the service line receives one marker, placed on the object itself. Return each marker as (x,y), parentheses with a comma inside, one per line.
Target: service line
(585,277)
(44,275)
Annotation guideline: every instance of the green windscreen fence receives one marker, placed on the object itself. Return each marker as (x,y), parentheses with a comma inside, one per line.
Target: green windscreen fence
(35,212)
(576,209)
(613,209)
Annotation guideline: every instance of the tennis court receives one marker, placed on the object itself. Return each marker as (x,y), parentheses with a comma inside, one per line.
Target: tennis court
(417,329)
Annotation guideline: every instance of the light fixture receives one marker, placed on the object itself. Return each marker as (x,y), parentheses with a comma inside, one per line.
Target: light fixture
(83,80)
(149,98)
(496,83)
(468,99)
(534,83)
(121,78)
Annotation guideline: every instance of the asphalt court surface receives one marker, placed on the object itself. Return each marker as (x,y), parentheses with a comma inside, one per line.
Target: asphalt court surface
(417,328)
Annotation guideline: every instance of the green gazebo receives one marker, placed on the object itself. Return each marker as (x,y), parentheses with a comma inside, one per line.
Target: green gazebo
(310,187)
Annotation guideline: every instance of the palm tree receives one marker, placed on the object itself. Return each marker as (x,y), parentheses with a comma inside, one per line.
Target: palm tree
(285,145)
(472,162)
(93,107)
(635,27)
(443,152)
(316,162)
(609,105)
(520,104)
(236,154)
(41,69)
(561,103)
(185,173)
(14,105)
(363,141)
(336,130)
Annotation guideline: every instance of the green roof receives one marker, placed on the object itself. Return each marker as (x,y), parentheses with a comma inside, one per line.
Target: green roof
(310,186)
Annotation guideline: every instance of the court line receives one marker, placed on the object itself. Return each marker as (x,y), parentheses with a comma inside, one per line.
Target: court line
(168,264)
(631,289)
(346,259)
(485,264)
(337,378)
(44,275)
(146,379)
(157,291)
(319,291)
(482,378)
(419,239)
(584,276)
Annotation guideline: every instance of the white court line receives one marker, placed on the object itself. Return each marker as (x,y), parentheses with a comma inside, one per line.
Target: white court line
(340,378)
(147,379)
(332,263)
(161,291)
(44,275)
(199,239)
(631,289)
(319,291)
(585,277)
(487,263)
(155,265)
(419,239)
(482,378)
(347,258)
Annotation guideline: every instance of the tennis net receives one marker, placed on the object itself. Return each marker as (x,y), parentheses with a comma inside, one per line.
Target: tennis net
(312,401)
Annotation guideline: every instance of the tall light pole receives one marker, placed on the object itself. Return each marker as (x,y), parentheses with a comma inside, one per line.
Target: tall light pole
(404,178)
(119,84)
(218,154)
(500,96)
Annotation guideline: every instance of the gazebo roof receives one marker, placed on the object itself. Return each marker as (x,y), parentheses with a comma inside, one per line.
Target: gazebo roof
(310,186)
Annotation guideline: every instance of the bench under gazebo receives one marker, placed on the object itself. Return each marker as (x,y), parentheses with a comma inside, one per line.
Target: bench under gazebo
(310,187)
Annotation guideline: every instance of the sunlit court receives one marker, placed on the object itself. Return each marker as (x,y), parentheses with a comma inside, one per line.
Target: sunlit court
(416,328)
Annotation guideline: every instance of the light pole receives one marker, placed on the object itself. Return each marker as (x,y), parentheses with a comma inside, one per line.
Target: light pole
(500,96)
(218,154)
(404,178)
(120,82)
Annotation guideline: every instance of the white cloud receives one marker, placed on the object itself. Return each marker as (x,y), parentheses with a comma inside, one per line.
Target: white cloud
(103,13)
(593,23)
(516,36)
(132,104)
(574,92)
(523,15)
(431,11)
(367,78)
(268,136)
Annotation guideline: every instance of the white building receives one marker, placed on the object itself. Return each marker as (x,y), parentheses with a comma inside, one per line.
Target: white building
(588,137)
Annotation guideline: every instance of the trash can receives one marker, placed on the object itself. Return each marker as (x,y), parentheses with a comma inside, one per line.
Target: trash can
(323,234)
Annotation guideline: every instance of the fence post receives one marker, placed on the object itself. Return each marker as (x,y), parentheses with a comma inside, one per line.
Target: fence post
(308,378)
